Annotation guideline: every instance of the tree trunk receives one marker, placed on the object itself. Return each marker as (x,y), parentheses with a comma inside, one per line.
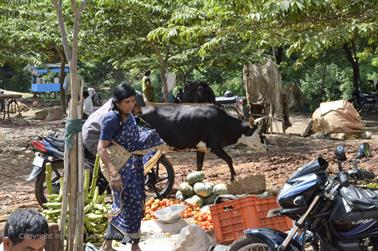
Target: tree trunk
(350,54)
(278,54)
(163,70)
(62,75)
(322,92)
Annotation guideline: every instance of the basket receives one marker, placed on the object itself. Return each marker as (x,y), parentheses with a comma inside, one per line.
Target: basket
(231,218)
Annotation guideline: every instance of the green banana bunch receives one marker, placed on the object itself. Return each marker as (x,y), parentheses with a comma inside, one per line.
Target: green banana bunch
(95,208)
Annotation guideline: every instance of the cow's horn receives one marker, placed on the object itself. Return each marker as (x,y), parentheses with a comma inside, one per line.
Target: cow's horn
(258,121)
(251,121)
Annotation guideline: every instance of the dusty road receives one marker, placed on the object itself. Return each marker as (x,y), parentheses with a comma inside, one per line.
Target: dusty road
(287,153)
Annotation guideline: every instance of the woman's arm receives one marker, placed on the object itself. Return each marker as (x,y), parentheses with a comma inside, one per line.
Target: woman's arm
(114,176)
(109,125)
(101,150)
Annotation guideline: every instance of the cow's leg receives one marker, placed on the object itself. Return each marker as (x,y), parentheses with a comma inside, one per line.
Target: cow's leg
(223,155)
(200,158)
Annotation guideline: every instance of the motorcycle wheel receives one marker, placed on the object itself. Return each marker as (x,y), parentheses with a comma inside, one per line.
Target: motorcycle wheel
(249,244)
(159,182)
(40,184)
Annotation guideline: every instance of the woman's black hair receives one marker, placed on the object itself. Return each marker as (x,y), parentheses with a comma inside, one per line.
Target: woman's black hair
(123,91)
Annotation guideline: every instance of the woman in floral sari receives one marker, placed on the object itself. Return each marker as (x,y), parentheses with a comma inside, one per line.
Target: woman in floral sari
(128,183)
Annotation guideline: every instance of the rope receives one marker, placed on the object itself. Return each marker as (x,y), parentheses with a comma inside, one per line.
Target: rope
(72,126)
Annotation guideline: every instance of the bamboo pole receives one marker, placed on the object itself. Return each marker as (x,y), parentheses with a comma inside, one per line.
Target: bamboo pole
(72,199)
(63,213)
(94,176)
(78,243)
(71,177)
(48,178)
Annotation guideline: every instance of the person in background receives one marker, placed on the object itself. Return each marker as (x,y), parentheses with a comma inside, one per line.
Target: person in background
(179,95)
(67,87)
(91,91)
(139,103)
(25,230)
(147,88)
(87,104)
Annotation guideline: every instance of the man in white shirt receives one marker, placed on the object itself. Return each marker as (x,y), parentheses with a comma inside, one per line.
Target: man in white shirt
(87,104)
(25,230)
(91,91)
(67,87)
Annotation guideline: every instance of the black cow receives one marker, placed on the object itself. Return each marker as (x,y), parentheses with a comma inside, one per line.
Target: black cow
(197,92)
(202,127)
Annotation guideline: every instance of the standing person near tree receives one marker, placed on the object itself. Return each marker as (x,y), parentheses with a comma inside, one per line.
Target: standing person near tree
(147,88)
(67,87)
(87,104)
(119,126)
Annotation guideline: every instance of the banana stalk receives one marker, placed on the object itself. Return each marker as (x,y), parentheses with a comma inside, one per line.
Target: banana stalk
(48,178)
(101,198)
(61,182)
(52,212)
(52,197)
(53,205)
(94,176)
(95,195)
(86,184)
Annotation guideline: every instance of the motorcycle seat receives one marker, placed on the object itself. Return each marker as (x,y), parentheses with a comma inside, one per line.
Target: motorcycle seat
(226,100)
(56,139)
(360,199)
(59,144)
(368,96)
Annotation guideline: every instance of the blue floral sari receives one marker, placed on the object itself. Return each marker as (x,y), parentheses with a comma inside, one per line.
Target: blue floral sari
(128,204)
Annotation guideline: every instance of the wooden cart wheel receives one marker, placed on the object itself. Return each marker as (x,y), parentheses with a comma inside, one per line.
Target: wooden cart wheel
(2,109)
(13,107)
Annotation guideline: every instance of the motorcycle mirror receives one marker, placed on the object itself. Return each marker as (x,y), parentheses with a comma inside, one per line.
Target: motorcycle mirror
(364,150)
(340,153)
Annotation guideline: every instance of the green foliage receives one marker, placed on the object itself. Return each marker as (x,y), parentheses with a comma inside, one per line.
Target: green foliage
(326,82)
(201,40)
(15,77)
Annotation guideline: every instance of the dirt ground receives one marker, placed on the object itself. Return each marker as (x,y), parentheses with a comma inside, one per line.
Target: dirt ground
(286,154)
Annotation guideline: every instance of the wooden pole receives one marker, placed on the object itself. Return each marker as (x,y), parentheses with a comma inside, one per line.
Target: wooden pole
(65,197)
(73,175)
(78,242)
(72,199)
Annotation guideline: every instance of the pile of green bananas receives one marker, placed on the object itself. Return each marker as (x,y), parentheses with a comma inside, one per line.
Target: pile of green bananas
(372,185)
(95,207)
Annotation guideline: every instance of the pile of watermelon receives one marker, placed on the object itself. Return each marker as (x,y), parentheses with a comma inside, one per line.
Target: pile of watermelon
(196,191)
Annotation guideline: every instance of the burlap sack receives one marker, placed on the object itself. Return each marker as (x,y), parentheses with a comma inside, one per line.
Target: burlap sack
(336,117)
(119,156)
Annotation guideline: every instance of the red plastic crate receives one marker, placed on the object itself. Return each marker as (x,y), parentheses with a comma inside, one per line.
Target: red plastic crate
(231,218)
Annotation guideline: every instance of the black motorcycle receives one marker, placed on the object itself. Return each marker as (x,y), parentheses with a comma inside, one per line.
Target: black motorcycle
(158,182)
(233,105)
(365,102)
(329,212)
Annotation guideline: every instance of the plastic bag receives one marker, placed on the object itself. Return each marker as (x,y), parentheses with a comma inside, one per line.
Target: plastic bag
(169,214)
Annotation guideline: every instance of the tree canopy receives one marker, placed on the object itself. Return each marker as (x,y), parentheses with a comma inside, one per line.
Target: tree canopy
(204,39)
